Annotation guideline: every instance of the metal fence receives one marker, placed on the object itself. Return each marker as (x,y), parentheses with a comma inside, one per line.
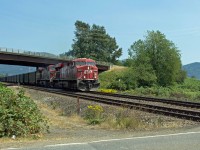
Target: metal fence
(43,54)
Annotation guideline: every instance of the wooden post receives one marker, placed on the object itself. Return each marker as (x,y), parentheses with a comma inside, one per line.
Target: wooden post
(78,106)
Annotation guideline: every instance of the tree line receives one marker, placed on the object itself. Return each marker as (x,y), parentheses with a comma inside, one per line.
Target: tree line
(153,60)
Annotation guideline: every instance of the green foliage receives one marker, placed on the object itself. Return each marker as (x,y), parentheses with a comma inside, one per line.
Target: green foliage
(93,42)
(154,91)
(19,115)
(191,83)
(119,80)
(189,90)
(128,62)
(156,60)
(94,114)
(181,76)
(144,72)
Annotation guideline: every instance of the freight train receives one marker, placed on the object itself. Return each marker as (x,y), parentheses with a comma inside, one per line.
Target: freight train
(79,74)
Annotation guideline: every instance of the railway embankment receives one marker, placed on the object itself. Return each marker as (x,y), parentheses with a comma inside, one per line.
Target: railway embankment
(68,121)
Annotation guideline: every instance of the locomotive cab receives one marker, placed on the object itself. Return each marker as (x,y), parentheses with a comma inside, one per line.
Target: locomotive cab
(86,74)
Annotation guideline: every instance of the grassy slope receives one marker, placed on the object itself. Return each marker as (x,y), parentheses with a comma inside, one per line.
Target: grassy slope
(189,90)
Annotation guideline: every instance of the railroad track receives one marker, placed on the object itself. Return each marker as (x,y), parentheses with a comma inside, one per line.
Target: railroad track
(151,99)
(167,111)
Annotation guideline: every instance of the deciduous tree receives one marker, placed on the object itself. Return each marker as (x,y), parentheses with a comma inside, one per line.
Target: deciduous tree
(156,59)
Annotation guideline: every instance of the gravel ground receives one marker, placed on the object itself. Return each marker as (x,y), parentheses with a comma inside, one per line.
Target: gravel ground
(67,127)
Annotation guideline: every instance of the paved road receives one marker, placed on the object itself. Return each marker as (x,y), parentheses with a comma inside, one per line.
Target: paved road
(177,141)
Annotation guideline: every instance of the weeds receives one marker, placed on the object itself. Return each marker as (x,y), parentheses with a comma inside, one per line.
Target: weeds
(119,119)
(94,114)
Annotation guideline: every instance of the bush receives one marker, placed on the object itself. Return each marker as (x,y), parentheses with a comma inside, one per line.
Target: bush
(118,79)
(191,83)
(94,114)
(19,115)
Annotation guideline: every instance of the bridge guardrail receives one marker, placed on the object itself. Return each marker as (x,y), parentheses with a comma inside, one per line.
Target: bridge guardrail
(40,54)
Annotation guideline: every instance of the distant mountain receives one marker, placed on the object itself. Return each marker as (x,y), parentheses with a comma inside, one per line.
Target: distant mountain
(13,69)
(193,69)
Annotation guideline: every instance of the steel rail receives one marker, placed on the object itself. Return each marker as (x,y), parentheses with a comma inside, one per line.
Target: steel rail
(161,100)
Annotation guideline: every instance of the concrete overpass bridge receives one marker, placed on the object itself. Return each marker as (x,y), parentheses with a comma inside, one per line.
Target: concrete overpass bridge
(34,59)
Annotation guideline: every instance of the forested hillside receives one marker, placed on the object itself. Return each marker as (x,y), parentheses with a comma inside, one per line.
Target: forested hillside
(193,69)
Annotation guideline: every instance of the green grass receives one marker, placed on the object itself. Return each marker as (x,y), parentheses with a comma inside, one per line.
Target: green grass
(189,90)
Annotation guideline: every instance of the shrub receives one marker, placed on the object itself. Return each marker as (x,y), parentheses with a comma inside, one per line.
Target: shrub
(126,120)
(108,90)
(190,83)
(94,114)
(19,115)
(118,79)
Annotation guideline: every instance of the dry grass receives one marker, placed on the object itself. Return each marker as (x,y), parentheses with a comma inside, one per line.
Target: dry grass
(119,68)
(57,120)
(54,113)
(128,119)
(122,118)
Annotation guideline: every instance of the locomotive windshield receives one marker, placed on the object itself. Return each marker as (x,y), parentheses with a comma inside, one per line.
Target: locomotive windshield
(82,63)
(91,63)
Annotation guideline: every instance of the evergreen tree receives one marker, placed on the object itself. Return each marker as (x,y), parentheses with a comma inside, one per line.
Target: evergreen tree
(93,42)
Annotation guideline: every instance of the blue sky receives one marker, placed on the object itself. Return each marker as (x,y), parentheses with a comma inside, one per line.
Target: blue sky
(48,25)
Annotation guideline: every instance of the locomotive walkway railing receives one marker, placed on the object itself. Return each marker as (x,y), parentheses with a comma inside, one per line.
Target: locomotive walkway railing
(43,54)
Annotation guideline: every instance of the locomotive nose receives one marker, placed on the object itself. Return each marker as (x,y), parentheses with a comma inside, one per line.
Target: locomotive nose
(87,72)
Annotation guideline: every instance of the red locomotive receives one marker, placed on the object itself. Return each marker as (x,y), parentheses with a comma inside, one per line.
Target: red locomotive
(80,74)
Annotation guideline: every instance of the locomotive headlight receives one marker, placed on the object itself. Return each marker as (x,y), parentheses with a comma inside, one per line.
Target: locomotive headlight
(95,75)
(84,77)
(88,67)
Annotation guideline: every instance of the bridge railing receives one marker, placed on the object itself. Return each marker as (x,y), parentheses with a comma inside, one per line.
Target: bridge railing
(24,52)
(43,54)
